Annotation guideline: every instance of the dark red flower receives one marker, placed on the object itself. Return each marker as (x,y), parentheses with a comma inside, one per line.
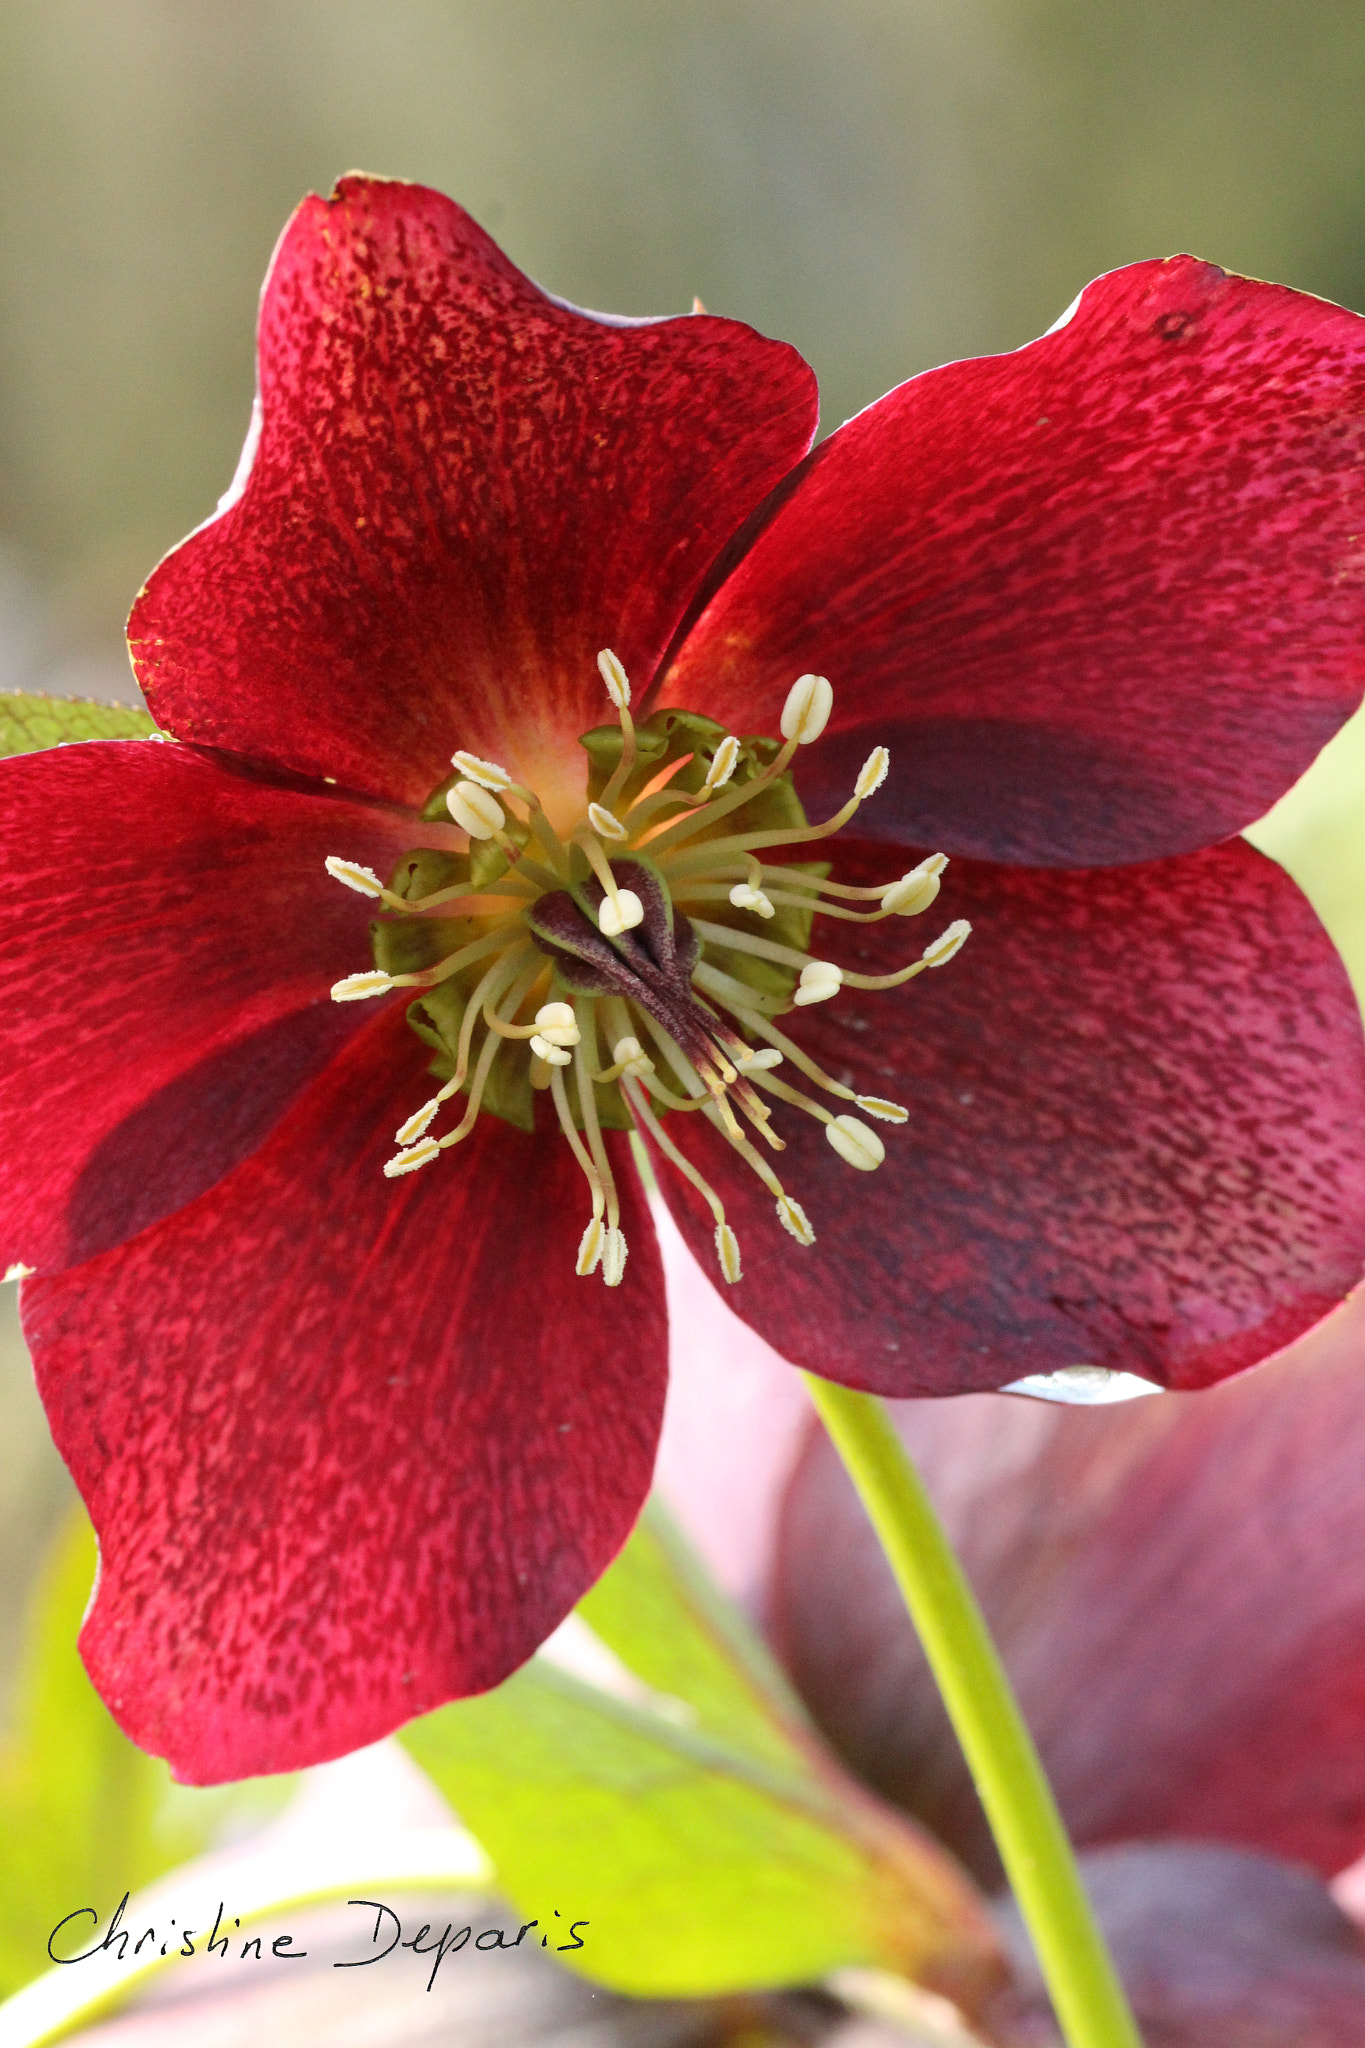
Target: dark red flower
(1178,1588)
(353,1444)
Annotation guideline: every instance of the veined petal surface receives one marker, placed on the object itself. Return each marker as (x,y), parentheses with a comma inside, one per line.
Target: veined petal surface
(1104,598)
(351,1446)
(1136,1100)
(164,992)
(462,489)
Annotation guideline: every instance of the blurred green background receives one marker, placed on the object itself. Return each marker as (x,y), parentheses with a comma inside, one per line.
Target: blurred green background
(887,183)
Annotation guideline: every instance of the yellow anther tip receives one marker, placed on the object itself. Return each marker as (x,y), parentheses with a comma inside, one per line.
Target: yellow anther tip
(614,676)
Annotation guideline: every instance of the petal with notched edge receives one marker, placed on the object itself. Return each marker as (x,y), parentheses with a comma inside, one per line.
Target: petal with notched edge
(351,1446)
(461,490)
(1136,1103)
(1104,598)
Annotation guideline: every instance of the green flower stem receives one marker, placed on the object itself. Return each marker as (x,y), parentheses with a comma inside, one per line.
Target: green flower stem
(1039,1861)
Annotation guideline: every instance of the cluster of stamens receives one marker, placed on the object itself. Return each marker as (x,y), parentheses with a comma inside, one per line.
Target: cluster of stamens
(616,936)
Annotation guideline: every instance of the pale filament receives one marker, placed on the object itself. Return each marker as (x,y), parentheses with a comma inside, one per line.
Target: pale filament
(516,995)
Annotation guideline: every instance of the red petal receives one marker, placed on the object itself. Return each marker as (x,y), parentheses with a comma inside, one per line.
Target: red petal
(351,1446)
(164,989)
(1177,1586)
(463,488)
(1107,589)
(1136,1103)
(1216,1949)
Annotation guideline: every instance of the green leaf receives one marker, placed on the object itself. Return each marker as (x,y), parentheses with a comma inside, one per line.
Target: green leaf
(688,1813)
(84,1815)
(29,723)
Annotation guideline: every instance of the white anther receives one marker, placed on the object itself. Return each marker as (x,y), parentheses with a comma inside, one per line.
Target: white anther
(629,1053)
(409,1161)
(614,1257)
(364,881)
(605,824)
(486,773)
(556,1021)
(354,988)
(475,810)
(411,1131)
(916,890)
(590,1248)
(745,898)
(820,979)
(618,688)
(872,774)
(727,1251)
(722,763)
(793,1219)
(942,949)
(553,1055)
(621,914)
(878,1106)
(759,1061)
(854,1142)
(806,711)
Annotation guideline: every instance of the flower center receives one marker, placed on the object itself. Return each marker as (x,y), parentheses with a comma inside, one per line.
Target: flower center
(638,965)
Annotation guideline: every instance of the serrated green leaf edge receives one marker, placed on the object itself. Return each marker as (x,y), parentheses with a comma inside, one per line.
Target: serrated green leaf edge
(30,722)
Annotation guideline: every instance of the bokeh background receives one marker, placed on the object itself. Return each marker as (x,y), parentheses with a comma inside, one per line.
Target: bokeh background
(887,183)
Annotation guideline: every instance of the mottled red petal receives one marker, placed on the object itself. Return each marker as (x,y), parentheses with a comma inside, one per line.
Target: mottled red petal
(1102,597)
(172,938)
(351,1446)
(1177,1585)
(462,489)
(1216,1950)
(1136,1136)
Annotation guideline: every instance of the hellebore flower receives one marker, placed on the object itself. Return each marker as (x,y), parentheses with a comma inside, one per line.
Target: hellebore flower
(1178,1588)
(353,1444)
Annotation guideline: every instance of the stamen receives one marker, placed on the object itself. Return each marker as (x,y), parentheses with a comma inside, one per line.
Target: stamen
(806,711)
(620,911)
(793,1218)
(760,1061)
(854,1142)
(915,891)
(486,773)
(722,765)
(606,824)
(557,1023)
(356,988)
(614,676)
(614,1257)
(878,1106)
(948,943)
(746,898)
(553,1055)
(408,1133)
(590,1246)
(417,1155)
(819,981)
(872,774)
(727,1245)
(585,1059)
(364,881)
(475,810)
(727,1252)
